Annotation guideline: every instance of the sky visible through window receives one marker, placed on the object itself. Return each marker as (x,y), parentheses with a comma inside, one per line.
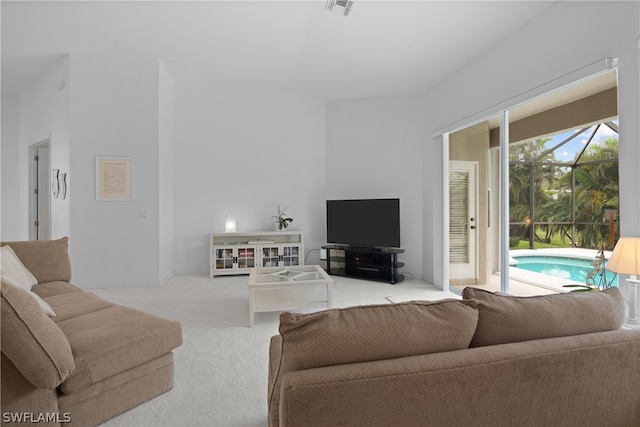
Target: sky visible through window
(567,152)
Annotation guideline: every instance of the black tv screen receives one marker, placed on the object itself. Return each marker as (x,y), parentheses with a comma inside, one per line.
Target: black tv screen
(364,222)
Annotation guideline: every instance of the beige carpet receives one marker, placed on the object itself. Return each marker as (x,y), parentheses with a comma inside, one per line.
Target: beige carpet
(221,369)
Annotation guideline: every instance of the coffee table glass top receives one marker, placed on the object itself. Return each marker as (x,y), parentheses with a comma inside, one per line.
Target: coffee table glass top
(288,274)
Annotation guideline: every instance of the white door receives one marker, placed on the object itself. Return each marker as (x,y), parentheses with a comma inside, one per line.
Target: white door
(463,195)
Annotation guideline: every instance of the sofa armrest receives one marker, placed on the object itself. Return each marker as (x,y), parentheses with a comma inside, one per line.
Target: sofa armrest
(588,380)
(18,395)
(32,341)
(275,353)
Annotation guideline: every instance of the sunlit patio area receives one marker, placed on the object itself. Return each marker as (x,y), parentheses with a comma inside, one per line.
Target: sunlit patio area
(529,283)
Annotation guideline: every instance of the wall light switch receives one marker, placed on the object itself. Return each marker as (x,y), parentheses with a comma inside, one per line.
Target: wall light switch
(142,214)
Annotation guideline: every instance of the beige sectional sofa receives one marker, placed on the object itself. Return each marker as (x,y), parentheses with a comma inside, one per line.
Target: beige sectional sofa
(486,360)
(90,362)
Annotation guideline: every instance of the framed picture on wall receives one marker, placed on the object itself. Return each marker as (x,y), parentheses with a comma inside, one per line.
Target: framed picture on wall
(114,178)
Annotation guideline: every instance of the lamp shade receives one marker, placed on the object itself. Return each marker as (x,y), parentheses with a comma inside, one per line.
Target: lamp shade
(625,258)
(230,224)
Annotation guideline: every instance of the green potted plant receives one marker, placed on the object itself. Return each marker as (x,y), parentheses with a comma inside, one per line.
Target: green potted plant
(282,220)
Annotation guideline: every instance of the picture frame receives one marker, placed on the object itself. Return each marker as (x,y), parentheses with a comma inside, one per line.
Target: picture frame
(114,178)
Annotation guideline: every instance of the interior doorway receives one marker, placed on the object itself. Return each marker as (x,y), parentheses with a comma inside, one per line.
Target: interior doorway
(40,191)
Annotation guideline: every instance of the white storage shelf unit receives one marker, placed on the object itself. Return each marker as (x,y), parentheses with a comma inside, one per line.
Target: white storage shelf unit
(238,253)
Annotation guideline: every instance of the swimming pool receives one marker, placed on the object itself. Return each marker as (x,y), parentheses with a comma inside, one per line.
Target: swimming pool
(575,269)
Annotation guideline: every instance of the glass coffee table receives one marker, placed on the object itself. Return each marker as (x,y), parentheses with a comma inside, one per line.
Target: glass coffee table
(288,288)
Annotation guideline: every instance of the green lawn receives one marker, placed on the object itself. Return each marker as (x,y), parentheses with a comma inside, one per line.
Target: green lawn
(555,243)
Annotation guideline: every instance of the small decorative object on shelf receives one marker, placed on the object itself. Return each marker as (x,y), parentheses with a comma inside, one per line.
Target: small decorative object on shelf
(282,221)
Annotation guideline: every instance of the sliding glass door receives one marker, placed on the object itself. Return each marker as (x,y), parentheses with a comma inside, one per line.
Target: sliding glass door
(546,176)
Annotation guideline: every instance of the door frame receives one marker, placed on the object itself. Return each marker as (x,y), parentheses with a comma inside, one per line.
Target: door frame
(39,175)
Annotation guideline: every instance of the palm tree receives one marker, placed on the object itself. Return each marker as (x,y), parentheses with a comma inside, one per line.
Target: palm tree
(524,157)
(596,177)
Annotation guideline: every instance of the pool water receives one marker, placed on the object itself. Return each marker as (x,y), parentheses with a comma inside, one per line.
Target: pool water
(575,269)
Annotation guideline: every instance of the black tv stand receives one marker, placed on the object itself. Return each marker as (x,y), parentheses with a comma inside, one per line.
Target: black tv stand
(364,249)
(379,264)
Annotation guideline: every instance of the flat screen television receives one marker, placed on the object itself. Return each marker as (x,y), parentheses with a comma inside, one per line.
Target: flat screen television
(364,222)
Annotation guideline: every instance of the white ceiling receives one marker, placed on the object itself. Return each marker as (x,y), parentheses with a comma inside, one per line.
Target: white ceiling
(382,48)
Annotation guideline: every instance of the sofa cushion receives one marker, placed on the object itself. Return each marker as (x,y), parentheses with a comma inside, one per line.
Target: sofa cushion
(14,272)
(48,260)
(30,339)
(49,289)
(373,332)
(76,304)
(504,319)
(109,341)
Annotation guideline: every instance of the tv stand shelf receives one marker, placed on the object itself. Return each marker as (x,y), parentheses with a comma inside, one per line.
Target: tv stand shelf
(379,264)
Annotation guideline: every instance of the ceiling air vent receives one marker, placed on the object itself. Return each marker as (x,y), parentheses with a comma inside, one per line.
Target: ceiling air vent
(339,5)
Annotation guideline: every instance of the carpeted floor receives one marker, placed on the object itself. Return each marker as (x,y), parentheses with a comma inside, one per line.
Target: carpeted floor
(221,368)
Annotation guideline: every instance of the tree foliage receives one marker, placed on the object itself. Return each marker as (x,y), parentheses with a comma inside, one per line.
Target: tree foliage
(595,172)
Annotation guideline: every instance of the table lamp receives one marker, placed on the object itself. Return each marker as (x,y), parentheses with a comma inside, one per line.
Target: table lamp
(230,224)
(625,259)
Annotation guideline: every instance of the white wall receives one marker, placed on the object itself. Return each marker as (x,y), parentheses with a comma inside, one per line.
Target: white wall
(243,151)
(564,38)
(374,150)
(114,112)
(43,112)
(13,226)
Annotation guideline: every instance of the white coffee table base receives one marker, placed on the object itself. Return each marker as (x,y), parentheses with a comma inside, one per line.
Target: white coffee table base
(287,294)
